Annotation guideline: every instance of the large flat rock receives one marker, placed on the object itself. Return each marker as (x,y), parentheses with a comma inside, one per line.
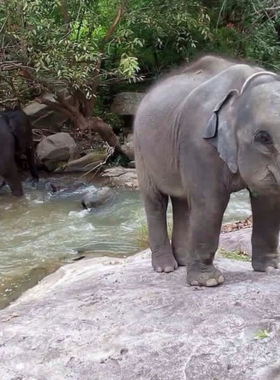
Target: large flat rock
(107,319)
(237,241)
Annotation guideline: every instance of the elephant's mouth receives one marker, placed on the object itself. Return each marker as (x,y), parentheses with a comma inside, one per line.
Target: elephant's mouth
(272,179)
(266,181)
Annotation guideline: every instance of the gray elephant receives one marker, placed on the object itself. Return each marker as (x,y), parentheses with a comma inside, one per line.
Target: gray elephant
(196,142)
(15,139)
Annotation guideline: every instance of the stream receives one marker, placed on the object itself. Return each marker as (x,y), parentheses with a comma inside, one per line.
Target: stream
(42,231)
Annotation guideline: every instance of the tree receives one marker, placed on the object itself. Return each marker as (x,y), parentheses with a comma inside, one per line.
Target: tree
(86,46)
(57,44)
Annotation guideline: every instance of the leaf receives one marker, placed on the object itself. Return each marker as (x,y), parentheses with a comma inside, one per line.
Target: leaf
(261,334)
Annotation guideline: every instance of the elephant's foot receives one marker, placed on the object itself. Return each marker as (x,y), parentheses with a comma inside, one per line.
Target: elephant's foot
(180,256)
(265,264)
(208,276)
(17,193)
(164,262)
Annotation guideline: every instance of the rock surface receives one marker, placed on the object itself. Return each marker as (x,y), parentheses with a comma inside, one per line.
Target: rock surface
(116,319)
(237,241)
(120,177)
(41,116)
(56,149)
(126,103)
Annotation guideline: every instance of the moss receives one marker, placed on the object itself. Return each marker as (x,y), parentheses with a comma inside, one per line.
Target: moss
(238,254)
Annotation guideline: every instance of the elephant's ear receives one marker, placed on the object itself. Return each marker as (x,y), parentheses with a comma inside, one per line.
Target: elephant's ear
(220,132)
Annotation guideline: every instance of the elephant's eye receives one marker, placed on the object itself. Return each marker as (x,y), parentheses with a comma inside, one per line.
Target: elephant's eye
(263,137)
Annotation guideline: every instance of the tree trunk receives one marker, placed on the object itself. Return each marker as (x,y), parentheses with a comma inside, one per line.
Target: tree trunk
(97,125)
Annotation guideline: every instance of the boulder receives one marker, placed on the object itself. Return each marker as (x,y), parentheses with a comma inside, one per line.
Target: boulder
(128,147)
(56,149)
(98,197)
(42,116)
(117,319)
(126,103)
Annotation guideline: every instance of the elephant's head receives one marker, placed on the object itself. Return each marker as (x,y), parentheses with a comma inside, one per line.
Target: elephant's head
(245,129)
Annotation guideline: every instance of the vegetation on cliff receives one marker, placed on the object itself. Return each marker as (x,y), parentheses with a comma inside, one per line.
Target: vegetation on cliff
(95,48)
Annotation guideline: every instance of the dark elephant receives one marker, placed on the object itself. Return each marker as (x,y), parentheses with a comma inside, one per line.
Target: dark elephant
(15,139)
(196,142)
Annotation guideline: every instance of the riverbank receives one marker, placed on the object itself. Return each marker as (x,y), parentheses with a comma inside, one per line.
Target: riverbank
(51,230)
(43,230)
(116,319)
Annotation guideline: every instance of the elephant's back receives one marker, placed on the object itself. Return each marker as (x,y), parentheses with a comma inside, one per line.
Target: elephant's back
(154,135)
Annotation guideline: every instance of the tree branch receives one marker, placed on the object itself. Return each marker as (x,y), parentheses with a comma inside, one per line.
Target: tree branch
(115,22)
(273,8)
(64,11)
(55,106)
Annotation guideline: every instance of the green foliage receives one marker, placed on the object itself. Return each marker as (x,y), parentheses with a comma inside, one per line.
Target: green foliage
(238,254)
(262,334)
(66,41)
(246,29)
(142,237)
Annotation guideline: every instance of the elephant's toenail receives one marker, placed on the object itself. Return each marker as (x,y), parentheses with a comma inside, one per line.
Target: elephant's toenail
(221,279)
(159,270)
(194,283)
(169,269)
(212,282)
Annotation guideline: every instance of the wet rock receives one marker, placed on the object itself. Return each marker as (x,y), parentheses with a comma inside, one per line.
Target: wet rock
(56,150)
(121,177)
(117,319)
(59,187)
(86,163)
(98,197)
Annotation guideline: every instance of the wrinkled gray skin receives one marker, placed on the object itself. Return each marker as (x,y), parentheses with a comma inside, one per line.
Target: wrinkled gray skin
(15,139)
(196,142)
(96,198)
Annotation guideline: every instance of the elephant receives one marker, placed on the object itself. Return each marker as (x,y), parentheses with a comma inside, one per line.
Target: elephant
(15,139)
(198,141)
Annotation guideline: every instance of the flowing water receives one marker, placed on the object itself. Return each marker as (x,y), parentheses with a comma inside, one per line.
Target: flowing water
(42,231)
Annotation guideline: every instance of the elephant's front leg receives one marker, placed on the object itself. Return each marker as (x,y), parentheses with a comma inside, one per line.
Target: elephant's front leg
(205,226)
(162,256)
(265,236)
(13,180)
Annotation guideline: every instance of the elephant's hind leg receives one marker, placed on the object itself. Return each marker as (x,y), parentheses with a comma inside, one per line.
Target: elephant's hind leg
(181,220)
(162,256)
